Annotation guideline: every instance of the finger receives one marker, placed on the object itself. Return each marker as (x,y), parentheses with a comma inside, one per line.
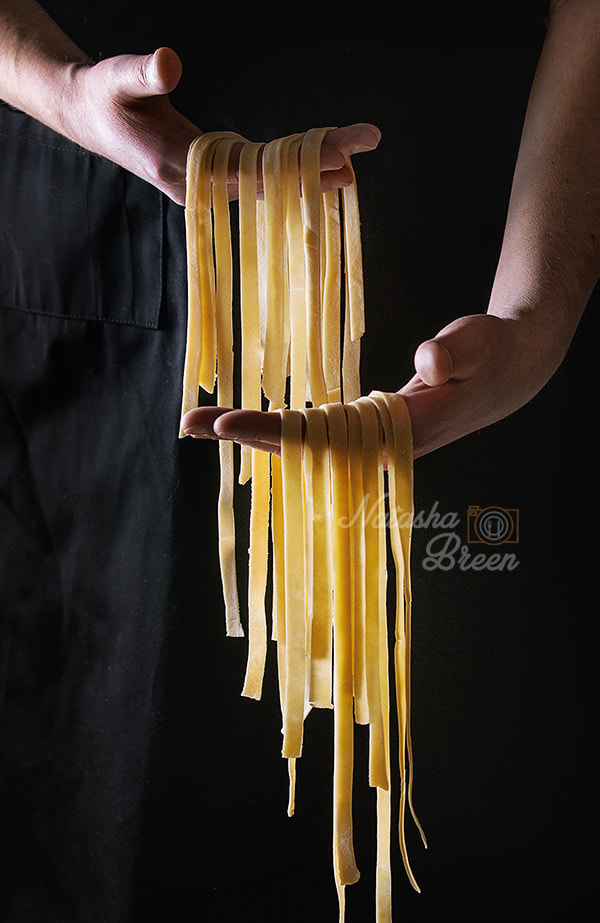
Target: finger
(351,139)
(330,178)
(334,179)
(338,144)
(433,363)
(141,76)
(200,421)
(458,351)
(332,158)
(167,69)
(463,381)
(255,428)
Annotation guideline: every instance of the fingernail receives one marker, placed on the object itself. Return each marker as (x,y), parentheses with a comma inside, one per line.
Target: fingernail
(199,432)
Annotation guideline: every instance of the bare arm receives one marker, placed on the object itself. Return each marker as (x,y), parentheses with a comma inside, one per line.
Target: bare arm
(483,367)
(37,60)
(118,107)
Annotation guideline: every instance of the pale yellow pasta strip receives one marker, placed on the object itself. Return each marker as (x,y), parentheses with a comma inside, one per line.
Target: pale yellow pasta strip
(402,429)
(346,871)
(224,332)
(310,528)
(383,879)
(278,604)
(200,271)
(277,548)
(261,246)
(257,574)
(350,361)
(394,462)
(319,577)
(275,360)
(383,875)
(296,285)
(191,374)
(332,294)
(310,164)
(375,568)
(295,610)
(279,613)
(356,527)
(227,543)
(251,362)
(354,323)
(322,249)
(375,592)
(251,351)
(353,257)
(200,256)
(292,785)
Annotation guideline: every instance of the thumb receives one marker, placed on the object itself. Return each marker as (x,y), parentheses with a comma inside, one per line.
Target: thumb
(458,351)
(140,76)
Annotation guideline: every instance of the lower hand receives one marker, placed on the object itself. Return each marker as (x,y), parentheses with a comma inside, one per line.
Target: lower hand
(477,370)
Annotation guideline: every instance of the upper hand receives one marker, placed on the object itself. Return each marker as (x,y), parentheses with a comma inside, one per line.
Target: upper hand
(120,108)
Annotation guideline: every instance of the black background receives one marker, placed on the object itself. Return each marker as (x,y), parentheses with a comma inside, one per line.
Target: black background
(503,663)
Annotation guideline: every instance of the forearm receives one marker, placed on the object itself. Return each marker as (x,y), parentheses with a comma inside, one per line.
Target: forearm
(37,61)
(550,257)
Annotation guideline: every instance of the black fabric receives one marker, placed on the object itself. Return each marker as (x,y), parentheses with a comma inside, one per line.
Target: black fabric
(62,208)
(88,474)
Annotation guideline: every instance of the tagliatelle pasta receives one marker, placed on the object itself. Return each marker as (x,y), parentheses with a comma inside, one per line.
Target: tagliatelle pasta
(322,509)
(290,273)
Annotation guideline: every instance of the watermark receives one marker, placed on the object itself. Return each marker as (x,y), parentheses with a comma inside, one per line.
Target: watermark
(492,525)
(489,525)
(451,545)
(376,515)
(446,551)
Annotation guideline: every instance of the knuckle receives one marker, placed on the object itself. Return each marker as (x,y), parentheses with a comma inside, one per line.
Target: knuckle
(144,71)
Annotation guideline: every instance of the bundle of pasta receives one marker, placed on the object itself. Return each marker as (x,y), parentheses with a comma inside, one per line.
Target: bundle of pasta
(302,316)
(330,521)
(296,348)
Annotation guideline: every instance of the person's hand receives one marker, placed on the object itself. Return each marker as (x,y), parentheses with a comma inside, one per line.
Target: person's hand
(120,108)
(477,370)
(474,372)
(338,144)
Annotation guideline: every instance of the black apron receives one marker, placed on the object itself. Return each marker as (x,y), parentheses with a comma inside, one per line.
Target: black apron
(92,288)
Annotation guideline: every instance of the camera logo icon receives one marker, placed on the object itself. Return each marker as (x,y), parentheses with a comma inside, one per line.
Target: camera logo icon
(492,525)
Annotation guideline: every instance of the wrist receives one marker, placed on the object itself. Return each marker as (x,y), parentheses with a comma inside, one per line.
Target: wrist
(48,92)
(37,63)
(539,330)
(68,99)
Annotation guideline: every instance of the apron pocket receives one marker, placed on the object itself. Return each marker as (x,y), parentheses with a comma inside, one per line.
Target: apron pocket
(79,236)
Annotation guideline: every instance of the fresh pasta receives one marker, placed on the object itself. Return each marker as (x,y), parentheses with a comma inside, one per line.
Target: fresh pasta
(325,513)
